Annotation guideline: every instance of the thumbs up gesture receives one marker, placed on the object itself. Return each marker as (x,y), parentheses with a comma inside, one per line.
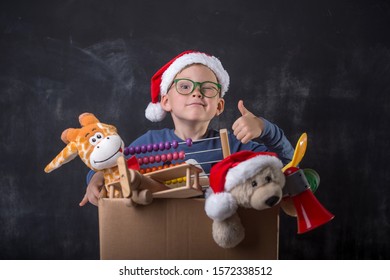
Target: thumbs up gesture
(248,126)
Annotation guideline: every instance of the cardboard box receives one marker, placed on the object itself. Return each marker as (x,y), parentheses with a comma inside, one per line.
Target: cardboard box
(180,229)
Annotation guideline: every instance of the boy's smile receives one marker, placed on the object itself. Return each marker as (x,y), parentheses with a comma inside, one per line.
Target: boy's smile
(196,103)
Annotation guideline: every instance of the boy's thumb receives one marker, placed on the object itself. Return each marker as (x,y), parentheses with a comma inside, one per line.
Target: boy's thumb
(242,108)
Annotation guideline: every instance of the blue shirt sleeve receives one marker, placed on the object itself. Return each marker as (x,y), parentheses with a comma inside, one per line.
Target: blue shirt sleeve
(89,175)
(273,137)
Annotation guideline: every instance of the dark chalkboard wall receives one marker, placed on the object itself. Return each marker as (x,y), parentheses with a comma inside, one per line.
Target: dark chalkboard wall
(317,66)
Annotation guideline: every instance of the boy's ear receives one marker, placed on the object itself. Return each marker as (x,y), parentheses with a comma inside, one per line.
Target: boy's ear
(165,103)
(220,107)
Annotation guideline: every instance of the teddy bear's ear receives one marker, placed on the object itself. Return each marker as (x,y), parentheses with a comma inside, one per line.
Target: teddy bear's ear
(69,135)
(87,119)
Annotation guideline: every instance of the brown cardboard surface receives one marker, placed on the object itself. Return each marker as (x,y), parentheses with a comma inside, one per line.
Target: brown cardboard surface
(180,229)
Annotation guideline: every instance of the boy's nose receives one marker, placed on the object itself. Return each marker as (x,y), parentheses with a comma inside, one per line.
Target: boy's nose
(197,93)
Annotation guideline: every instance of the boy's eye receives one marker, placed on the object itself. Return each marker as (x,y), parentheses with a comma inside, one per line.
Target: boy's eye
(209,90)
(185,86)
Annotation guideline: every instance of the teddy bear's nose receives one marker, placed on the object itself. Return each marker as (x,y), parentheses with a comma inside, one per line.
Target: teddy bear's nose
(272,200)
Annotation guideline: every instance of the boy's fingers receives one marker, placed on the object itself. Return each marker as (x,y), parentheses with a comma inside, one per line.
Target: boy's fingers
(242,108)
(240,135)
(246,139)
(84,200)
(96,191)
(235,125)
(94,201)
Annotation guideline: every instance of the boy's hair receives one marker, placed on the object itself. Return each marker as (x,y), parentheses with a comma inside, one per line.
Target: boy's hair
(163,78)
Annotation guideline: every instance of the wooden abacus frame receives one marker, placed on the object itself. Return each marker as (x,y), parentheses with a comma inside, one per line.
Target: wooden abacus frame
(192,187)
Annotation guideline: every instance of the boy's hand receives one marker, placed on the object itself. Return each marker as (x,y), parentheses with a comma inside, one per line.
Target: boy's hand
(248,126)
(93,189)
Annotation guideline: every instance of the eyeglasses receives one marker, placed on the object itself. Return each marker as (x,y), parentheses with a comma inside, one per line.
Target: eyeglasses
(207,89)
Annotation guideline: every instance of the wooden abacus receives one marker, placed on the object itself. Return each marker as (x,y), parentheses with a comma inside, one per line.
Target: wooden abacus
(142,188)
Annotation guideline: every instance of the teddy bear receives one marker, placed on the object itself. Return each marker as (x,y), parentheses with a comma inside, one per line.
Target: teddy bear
(244,179)
(101,148)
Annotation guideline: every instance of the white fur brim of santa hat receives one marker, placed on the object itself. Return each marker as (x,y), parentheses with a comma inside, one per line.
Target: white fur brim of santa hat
(232,171)
(163,78)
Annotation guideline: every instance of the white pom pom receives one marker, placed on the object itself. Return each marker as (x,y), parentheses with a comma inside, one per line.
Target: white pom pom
(220,206)
(154,112)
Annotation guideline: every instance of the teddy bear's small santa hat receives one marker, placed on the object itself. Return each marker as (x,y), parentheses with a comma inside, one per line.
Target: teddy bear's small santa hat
(231,172)
(163,78)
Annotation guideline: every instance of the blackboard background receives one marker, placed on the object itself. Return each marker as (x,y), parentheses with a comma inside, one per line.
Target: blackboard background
(317,66)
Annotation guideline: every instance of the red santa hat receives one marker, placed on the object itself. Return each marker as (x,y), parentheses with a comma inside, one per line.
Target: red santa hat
(231,172)
(162,80)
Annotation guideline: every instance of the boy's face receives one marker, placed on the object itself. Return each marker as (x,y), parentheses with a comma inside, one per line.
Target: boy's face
(193,107)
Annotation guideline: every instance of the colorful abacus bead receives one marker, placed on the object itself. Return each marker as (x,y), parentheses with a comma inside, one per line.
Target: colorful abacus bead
(175,144)
(156,147)
(132,150)
(155,168)
(181,180)
(161,146)
(176,181)
(128,151)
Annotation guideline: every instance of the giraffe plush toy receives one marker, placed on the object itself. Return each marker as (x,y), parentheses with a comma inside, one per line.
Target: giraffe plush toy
(98,145)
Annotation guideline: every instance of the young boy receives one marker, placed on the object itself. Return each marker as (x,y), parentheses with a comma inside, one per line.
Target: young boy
(191,88)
